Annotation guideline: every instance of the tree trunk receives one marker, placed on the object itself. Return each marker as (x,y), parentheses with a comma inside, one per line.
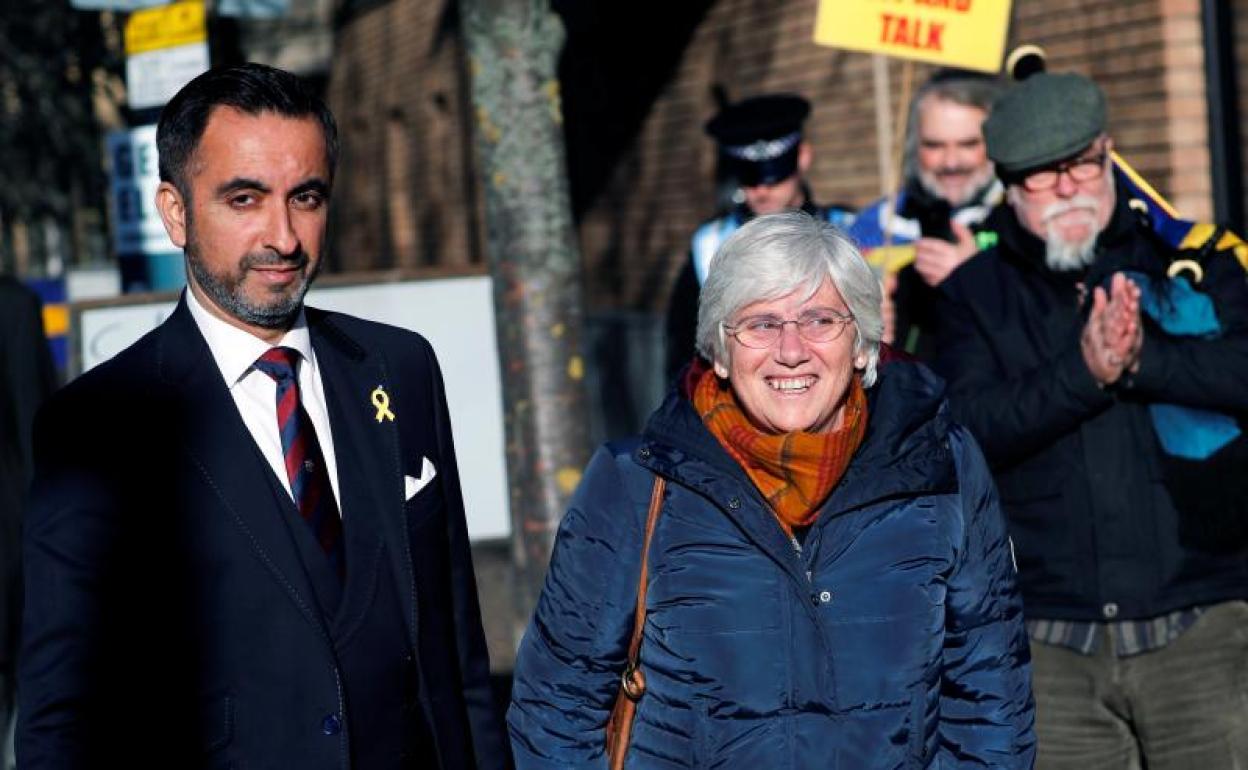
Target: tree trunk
(513,48)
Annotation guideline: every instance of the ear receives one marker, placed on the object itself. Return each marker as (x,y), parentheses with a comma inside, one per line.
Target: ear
(860,361)
(721,370)
(805,157)
(172,209)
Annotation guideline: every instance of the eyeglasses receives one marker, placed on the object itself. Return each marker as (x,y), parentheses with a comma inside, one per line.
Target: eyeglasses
(1083,169)
(763,331)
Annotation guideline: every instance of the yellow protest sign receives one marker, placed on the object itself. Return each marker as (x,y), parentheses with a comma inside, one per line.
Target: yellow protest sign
(956,33)
(167,26)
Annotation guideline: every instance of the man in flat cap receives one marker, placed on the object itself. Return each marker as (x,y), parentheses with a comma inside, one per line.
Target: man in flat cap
(933,224)
(1096,365)
(762,148)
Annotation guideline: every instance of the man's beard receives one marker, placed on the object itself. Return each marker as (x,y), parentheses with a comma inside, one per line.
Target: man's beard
(1064,256)
(976,181)
(226,291)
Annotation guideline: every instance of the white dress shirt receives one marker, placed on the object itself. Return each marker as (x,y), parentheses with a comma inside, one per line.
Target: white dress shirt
(255,393)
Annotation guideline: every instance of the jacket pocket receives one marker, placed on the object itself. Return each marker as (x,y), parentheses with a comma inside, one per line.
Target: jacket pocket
(216,723)
(425,506)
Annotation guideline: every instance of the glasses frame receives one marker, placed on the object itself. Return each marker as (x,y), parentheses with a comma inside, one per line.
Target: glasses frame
(1095,165)
(843,320)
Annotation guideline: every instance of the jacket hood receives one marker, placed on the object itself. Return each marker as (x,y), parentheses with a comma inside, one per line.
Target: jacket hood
(905,450)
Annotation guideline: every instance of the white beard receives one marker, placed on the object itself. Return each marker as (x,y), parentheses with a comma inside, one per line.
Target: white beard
(1061,255)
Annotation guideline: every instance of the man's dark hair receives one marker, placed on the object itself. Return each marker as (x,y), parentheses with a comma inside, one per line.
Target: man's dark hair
(250,88)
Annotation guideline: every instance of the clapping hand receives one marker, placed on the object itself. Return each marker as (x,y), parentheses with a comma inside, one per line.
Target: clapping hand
(1113,335)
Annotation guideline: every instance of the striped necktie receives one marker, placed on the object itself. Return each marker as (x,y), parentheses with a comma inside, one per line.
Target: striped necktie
(305,465)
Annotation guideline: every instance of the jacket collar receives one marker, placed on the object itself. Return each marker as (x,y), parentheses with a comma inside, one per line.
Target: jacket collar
(903,452)
(370,472)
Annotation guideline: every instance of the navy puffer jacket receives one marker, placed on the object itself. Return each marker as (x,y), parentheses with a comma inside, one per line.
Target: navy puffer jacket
(892,639)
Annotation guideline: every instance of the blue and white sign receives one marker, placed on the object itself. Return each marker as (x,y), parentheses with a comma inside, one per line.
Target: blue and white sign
(115,5)
(252,9)
(133,178)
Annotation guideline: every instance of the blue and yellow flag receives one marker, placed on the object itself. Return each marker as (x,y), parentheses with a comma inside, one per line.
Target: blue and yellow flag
(1173,228)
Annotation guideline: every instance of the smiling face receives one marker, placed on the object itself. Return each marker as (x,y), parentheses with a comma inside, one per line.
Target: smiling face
(952,158)
(254,225)
(794,385)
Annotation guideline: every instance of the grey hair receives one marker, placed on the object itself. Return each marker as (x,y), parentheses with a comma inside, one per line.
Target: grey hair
(971,90)
(775,255)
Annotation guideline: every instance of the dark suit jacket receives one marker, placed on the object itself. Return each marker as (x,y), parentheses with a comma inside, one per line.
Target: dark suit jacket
(26,379)
(169,621)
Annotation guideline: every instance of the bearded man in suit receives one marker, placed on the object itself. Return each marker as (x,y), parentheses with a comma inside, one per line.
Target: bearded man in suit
(246,545)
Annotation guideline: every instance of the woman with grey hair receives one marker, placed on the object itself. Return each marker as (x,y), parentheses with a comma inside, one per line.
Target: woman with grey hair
(799,564)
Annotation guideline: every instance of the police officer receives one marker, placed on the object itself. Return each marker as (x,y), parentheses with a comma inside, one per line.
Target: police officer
(762,148)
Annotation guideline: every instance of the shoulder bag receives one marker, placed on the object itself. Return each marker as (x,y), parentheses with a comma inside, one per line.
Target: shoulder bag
(633,681)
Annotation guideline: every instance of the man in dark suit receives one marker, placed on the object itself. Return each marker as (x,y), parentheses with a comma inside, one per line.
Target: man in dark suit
(246,545)
(26,379)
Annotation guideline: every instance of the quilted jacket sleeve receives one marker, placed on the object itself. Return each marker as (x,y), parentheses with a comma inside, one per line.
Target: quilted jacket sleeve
(986,707)
(570,660)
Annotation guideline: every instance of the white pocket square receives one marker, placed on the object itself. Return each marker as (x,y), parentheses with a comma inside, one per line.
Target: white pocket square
(412,485)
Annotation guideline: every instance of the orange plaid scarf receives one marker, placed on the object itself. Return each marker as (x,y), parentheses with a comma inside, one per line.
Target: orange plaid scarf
(795,471)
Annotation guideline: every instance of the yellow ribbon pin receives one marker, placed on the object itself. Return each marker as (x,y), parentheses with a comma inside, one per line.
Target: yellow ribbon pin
(381,400)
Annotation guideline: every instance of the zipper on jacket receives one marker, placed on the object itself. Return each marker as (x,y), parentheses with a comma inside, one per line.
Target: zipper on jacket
(801,562)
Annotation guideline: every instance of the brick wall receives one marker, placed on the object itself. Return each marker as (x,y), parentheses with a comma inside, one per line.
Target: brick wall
(1146,54)
(406,194)
(407,197)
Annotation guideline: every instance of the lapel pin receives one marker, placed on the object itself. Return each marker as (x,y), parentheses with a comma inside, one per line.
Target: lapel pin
(381,400)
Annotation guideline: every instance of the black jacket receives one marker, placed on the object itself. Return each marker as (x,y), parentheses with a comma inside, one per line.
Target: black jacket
(171,620)
(1079,468)
(26,379)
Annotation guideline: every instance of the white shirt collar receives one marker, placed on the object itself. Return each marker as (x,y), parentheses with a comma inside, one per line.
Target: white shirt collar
(235,350)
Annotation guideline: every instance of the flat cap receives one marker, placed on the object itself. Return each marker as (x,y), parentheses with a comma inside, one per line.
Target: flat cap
(759,136)
(1044,119)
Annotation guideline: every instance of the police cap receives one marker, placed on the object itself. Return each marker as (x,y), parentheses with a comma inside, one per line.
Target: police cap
(759,136)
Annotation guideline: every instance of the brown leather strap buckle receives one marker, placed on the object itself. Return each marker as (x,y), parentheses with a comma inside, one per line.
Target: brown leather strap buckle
(633,682)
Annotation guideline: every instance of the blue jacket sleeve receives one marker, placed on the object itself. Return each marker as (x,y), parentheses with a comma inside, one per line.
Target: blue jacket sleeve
(986,706)
(570,660)
(70,539)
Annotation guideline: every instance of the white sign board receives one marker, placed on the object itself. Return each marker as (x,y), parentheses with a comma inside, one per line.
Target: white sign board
(165,48)
(153,77)
(456,315)
(133,177)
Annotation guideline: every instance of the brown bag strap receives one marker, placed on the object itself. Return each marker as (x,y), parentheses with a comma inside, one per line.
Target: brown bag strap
(634,687)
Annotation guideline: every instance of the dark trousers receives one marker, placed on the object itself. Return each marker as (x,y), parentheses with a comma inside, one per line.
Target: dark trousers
(1183,706)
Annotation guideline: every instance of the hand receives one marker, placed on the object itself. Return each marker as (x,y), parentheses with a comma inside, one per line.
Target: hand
(1123,333)
(935,259)
(1113,335)
(888,308)
(1104,365)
